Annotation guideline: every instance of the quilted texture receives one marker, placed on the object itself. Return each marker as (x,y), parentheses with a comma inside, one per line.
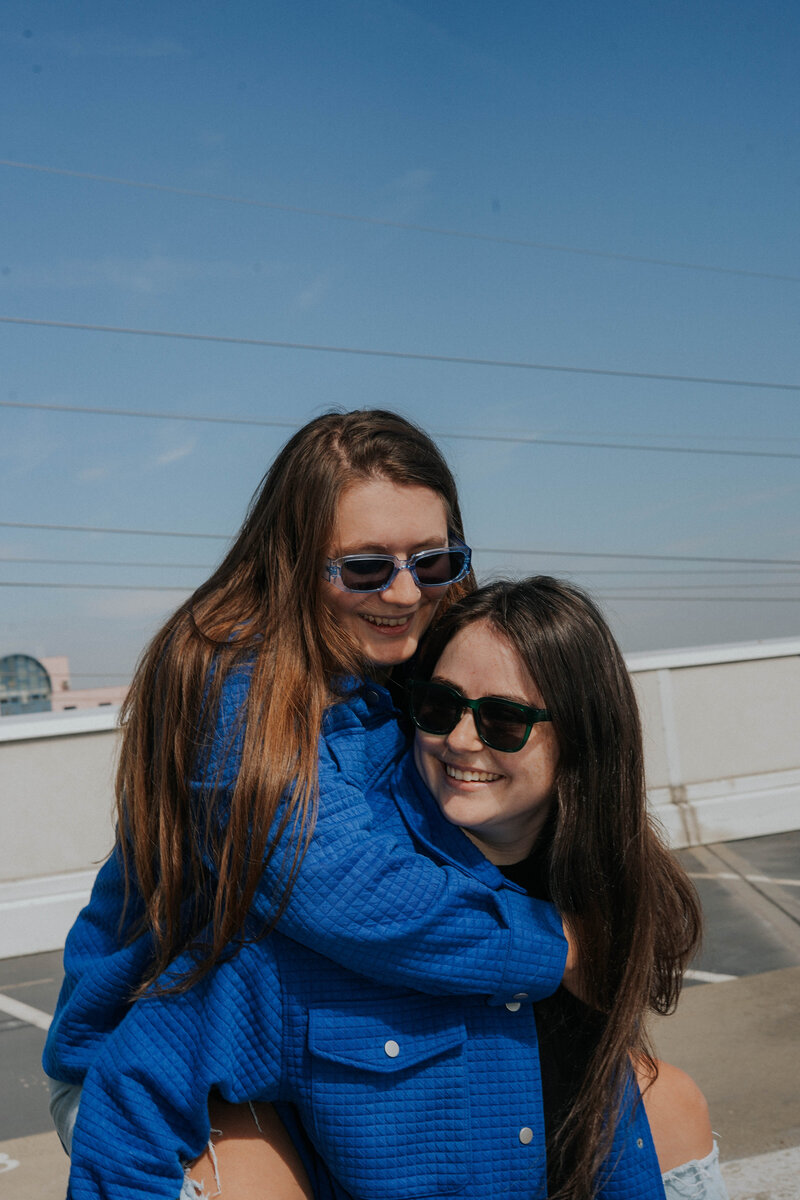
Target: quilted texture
(403,1095)
(363,897)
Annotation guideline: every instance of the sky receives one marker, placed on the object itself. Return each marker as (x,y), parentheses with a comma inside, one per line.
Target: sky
(570,228)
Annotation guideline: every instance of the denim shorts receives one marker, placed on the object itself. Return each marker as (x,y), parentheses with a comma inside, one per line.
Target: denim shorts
(700,1179)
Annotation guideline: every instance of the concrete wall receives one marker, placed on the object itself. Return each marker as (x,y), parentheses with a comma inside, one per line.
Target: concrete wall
(722,740)
(56,801)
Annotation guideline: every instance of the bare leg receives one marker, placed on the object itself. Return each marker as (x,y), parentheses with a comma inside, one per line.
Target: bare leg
(251,1163)
(678,1116)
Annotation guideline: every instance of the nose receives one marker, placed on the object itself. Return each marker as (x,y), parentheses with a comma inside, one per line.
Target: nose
(402,589)
(464,737)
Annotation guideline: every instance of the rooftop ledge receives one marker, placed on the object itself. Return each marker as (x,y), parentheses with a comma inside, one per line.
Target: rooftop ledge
(101,720)
(58,724)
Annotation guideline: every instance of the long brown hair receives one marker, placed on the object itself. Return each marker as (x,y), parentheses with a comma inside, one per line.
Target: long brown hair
(194,830)
(633,910)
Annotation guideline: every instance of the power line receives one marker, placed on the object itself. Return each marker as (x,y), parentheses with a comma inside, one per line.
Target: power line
(98,587)
(220,537)
(406,226)
(712,599)
(108,562)
(515,439)
(544,553)
(131,587)
(777,562)
(103,562)
(405,355)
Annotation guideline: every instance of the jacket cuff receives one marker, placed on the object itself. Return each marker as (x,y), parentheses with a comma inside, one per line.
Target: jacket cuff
(537,950)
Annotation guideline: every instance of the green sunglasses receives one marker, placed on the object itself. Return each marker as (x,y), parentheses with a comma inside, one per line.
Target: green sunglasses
(501,724)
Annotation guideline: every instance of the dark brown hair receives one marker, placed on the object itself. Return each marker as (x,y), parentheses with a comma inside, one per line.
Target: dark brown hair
(634,912)
(197,860)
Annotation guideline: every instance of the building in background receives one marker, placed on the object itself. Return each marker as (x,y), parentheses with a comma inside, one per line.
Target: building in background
(31,685)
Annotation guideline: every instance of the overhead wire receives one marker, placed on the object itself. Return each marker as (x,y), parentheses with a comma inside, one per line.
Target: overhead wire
(405,355)
(108,562)
(519,438)
(406,226)
(182,589)
(540,552)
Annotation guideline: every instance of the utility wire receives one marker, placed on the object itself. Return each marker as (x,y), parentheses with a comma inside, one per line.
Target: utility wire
(132,587)
(406,355)
(532,439)
(544,553)
(713,599)
(99,587)
(406,226)
(108,562)
(778,562)
(220,537)
(104,562)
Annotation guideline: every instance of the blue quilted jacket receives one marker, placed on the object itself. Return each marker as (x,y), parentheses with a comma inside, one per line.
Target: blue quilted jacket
(363,897)
(401,1094)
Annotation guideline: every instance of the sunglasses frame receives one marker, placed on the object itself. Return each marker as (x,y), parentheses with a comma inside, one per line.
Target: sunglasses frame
(333,567)
(530,715)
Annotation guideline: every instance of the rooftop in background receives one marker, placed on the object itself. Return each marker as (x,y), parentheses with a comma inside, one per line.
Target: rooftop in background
(29,685)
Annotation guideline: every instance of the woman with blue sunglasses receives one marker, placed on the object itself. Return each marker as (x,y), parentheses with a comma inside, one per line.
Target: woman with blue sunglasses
(257,719)
(535,788)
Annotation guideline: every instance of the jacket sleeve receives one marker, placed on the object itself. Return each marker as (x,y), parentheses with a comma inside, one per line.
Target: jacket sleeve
(365,899)
(144,1105)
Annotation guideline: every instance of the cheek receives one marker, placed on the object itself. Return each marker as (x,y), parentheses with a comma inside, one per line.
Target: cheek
(336,601)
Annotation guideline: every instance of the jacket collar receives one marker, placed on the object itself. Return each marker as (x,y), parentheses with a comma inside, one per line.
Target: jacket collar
(441,841)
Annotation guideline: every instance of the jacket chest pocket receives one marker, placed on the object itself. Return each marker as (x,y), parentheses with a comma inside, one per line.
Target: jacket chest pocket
(390,1097)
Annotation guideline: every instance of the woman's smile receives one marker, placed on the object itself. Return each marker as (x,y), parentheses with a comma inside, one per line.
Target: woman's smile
(499,799)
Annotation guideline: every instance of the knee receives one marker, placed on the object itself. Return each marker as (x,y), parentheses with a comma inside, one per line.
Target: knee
(678,1115)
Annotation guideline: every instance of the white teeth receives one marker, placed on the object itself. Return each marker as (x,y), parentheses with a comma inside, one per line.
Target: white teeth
(470,776)
(383,620)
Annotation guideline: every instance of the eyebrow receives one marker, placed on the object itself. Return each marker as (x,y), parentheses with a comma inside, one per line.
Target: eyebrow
(490,696)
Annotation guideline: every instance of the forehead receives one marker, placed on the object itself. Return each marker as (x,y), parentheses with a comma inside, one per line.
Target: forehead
(378,512)
(482,662)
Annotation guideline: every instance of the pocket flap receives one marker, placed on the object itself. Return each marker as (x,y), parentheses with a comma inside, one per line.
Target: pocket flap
(383,1035)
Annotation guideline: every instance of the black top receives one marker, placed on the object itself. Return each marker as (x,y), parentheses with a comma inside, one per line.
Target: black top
(567,1029)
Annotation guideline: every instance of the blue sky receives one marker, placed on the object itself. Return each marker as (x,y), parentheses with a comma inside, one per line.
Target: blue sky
(574,140)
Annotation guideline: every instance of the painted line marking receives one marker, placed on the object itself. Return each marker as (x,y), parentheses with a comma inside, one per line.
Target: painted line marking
(749,878)
(709,977)
(25,1012)
(7,1164)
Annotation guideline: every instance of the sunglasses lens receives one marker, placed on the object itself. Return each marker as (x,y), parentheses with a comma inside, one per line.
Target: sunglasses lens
(364,574)
(501,726)
(440,567)
(434,708)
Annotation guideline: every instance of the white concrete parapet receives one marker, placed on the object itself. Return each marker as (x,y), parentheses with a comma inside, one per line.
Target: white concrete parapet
(722,745)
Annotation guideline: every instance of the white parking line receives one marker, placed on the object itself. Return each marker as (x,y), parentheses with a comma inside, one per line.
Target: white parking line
(25,1012)
(749,878)
(709,977)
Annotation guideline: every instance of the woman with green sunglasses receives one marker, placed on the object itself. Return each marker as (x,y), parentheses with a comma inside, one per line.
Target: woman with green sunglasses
(537,789)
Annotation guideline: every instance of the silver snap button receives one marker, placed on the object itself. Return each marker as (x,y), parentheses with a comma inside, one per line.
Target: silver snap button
(640,1142)
(513,1006)
(526,1135)
(392,1049)
(521,996)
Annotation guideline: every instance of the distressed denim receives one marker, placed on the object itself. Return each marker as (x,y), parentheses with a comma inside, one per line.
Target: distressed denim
(700,1179)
